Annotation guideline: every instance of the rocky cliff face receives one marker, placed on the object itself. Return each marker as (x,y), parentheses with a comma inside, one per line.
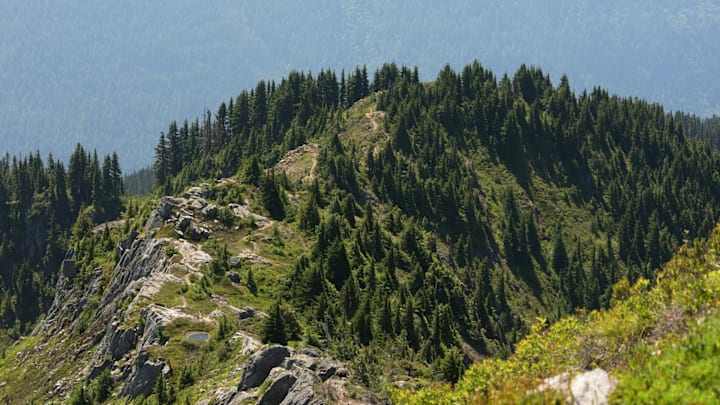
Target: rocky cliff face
(126,327)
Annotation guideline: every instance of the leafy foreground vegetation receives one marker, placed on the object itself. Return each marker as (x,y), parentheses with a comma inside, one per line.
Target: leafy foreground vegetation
(661,343)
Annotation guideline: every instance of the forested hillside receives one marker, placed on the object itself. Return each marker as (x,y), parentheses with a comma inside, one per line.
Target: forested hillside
(406,228)
(473,203)
(39,203)
(111,76)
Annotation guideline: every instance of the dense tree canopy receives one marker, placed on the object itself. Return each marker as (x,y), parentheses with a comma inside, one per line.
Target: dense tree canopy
(480,184)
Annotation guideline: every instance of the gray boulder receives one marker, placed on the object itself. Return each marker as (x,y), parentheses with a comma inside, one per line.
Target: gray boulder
(233,277)
(327,370)
(118,342)
(301,392)
(235,262)
(143,376)
(193,192)
(198,233)
(592,387)
(184,222)
(210,212)
(154,323)
(126,243)
(161,213)
(278,389)
(250,312)
(260,364)
(197,203)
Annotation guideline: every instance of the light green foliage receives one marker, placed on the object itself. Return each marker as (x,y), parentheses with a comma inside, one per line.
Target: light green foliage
(660,342)
(678,371)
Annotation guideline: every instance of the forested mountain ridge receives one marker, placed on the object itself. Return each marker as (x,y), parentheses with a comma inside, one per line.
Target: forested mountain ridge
(39,204)
(404,227)
(111,76)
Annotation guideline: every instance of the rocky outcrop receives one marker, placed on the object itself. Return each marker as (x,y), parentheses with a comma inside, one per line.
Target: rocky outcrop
(162,212)
(233,277)
(250,312)
(591,387)
(72,297)
(235,262)
(123,342)
(210,211)
(278,389)
(126,243)
(292,376)
(300,392)
(143,375)
(242,211)
(118,342)
(260,364)
(249,344)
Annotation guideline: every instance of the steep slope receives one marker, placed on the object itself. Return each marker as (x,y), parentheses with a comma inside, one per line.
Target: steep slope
(485,203)
(392,231)
(83,70)
(660,344)
(165,316)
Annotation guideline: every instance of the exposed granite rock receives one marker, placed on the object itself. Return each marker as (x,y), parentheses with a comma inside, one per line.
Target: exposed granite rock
(125,244)
(249,345)
(250,312)
(118,342)
(70,301)
(591,387)
(260,364)
(162,212)
(233,277)
(143,375)
(243,397)
(278,389)
(235,262)
(198,233)
(220,396)
(184,222)
(327,370)
(196,191)
(210,212)
(154,322)
(243,211)
(301,392)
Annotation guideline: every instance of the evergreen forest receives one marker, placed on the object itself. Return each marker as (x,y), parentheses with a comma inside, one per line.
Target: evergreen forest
(435,222)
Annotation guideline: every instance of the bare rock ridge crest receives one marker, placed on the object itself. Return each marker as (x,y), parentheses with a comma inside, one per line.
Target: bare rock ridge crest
(125,345)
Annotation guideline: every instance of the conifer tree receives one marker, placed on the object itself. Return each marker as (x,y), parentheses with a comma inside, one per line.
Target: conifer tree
(274,329)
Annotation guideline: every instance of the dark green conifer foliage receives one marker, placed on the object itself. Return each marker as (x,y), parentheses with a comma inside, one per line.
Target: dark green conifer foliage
(250,282)
(272,197)
(274,329)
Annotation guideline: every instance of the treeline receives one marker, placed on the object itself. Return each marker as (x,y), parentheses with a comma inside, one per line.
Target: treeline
(629,159)
(264,122)
(448,255)
(705,129)
(39,203)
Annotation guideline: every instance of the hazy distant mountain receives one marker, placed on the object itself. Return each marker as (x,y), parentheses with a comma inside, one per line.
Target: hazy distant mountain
(113,75)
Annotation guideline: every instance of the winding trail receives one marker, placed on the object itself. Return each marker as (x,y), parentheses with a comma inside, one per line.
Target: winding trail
(186,279)
(373,116)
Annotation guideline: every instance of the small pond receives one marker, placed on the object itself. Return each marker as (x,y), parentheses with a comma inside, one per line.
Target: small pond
(198,336)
